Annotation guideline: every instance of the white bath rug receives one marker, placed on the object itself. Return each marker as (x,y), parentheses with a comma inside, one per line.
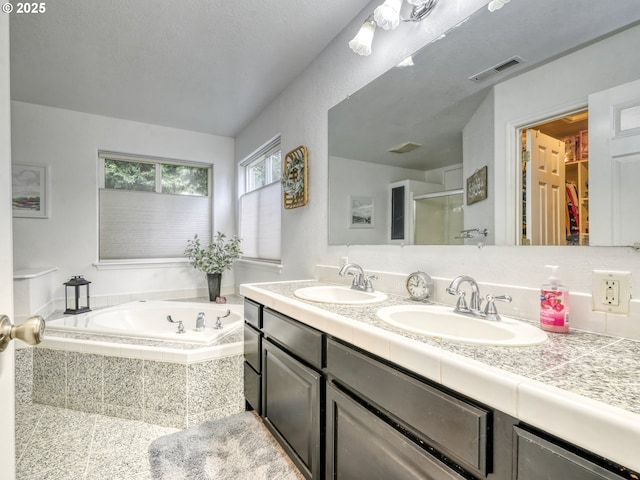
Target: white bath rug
(234,448)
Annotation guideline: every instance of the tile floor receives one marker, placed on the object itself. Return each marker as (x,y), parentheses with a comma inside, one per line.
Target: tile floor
(59,444)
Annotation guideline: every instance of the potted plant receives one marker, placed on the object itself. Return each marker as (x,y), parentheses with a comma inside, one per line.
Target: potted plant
(213,259)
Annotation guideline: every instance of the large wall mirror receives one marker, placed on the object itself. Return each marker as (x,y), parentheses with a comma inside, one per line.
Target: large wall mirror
(427,153)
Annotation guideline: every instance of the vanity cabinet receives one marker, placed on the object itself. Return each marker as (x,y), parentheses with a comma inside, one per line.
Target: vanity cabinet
(537,458)
(343,413)
(361,445)
(253,354)
(292,389)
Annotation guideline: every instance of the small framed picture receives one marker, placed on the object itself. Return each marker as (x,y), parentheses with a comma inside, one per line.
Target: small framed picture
(361,210)
(29,190)
(477,186)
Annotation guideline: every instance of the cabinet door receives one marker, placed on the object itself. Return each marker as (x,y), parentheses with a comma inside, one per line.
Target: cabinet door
(291,407)
(361,445)
(538,459)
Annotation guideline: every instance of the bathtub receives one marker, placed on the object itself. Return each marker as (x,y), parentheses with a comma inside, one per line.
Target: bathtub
(148,320)
(128,361)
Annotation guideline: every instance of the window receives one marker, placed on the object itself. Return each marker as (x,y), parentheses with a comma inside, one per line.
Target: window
(260,207)
(149,208)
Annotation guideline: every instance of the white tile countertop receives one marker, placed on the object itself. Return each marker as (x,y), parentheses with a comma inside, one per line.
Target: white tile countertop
(582,387)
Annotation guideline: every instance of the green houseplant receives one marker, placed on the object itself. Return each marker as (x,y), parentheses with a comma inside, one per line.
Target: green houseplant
(214,258)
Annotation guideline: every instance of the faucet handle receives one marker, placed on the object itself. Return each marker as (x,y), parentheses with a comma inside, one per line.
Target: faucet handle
(367,283)
(490,309)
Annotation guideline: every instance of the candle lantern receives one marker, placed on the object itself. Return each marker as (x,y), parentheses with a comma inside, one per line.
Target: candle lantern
(75,301)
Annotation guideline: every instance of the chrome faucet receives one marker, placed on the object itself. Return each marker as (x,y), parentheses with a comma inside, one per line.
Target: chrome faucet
(219,319)
(200,322)
(360,281)
(474,308)
(461,306)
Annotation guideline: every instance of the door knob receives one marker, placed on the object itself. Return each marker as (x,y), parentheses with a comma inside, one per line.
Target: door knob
(30,331)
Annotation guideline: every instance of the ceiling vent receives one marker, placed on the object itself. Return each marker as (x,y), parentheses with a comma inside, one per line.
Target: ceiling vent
(496,69)
(405,147)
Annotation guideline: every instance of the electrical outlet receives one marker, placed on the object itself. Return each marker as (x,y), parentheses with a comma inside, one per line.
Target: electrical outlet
(343,261)
(611,292)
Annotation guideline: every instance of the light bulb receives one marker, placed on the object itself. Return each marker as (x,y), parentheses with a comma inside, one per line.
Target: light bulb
(361,43)
(496,4)
(387,15)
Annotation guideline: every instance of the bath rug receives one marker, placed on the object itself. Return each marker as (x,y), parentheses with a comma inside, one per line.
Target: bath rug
(238,447)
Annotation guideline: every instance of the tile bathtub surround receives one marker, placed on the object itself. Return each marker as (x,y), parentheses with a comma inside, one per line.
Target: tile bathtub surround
(163,393)
(525,302)
(24,375)
(61,444)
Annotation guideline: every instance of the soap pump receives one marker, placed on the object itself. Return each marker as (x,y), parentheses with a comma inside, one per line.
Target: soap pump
(554,304)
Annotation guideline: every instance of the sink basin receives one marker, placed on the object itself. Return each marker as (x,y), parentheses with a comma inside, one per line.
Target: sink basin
(338,294)
(441,322)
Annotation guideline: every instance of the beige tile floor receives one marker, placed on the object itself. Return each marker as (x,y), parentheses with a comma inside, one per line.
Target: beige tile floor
(59,444)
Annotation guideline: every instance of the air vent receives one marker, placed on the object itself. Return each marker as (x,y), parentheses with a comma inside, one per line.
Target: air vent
(496,69)
(405,147)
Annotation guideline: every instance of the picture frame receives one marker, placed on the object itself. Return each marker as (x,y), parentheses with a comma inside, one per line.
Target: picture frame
(30,190)
(361,211)
(477,186)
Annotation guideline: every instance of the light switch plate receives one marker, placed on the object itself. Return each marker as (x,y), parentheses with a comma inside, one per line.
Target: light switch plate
(611,292)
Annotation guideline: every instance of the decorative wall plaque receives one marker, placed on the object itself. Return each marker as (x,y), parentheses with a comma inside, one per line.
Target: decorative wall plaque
(294,178)
(477,186)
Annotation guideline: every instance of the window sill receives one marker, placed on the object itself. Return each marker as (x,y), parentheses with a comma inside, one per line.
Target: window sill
(137,264)
(259,264)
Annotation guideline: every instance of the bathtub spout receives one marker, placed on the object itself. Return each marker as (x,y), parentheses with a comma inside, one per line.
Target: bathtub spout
(200,322)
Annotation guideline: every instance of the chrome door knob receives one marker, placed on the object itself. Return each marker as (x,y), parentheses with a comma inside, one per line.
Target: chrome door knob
(30,331)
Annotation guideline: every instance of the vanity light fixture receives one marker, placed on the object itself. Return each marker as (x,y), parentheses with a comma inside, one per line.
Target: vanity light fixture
(361,43)
(496,4)
(387,16)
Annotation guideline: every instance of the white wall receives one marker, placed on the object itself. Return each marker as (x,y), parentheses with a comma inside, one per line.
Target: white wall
(68,142)
(353,177)
(300,113)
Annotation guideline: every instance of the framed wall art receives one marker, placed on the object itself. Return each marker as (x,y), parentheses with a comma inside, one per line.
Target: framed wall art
(477,186)
(361,212)
(294,178)
(29,195)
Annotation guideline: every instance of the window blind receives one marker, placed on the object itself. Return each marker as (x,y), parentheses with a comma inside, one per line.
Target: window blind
(145,225)
(260,213)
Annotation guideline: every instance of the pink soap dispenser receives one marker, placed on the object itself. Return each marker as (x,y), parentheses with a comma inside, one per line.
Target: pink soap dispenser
(554,304)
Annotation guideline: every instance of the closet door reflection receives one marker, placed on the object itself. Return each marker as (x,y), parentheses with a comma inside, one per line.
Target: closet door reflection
(439,218)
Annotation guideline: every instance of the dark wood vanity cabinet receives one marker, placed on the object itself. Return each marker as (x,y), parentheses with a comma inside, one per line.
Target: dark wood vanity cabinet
(344,414)
(253,355)
(293,389)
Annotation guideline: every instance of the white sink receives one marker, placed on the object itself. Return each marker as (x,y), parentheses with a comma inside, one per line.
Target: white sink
(441,322)
(338,294)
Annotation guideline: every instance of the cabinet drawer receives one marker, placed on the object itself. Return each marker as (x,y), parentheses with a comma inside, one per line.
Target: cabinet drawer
(252,391)
(455,427)
(252,313)
(539,459)
(302,341)
(361,445)
(252,347)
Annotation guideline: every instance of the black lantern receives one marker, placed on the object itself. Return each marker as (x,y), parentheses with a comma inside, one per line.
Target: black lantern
(76,283)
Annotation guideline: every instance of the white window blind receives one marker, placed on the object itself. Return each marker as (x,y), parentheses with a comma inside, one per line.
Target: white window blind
(260,213)
(147,225)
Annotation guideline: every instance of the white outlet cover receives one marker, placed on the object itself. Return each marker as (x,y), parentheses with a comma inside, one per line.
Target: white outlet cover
(597,292)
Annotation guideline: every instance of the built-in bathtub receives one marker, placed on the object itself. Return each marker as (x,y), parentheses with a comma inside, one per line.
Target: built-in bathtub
(128,361)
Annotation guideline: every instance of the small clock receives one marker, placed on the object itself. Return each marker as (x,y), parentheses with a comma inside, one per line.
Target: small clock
(419,286)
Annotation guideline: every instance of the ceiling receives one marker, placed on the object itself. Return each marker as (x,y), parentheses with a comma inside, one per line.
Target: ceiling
(203,65)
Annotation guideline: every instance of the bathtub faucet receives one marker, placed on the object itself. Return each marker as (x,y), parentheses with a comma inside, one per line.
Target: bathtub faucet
(179,322)
(219,319)
(200,322)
